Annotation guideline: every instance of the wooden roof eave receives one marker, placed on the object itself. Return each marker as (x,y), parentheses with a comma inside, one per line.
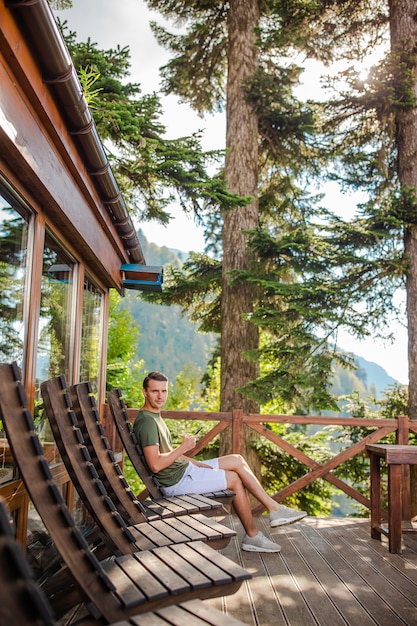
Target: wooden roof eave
(38,22)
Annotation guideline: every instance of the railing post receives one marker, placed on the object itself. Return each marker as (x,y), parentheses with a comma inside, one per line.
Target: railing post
(402,430)
(402,440)
(237,432)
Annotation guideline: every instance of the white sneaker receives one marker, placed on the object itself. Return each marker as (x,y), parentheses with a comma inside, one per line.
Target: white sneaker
(259,543)
(285,516)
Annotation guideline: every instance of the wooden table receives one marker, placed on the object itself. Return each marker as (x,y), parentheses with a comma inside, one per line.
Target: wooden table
(398,458)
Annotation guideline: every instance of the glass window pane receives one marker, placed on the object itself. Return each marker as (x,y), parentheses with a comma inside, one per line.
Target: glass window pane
(56,326)
(13,274)
(14,227)
(91,334)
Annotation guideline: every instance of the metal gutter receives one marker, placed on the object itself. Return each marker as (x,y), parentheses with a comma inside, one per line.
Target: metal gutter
(58,71)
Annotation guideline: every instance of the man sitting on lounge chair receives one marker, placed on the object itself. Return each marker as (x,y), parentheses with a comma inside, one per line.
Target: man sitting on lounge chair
(179,474)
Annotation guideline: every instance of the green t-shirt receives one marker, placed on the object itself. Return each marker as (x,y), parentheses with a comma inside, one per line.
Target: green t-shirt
(150,430)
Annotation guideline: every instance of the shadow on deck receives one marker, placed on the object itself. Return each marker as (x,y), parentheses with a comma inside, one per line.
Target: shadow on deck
(329,572)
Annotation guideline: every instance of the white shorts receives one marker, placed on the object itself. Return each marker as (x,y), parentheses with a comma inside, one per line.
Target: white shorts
(199,480)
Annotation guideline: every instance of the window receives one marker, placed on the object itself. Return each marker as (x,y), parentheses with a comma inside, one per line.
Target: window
(56,324)
(14,228)
(91,334)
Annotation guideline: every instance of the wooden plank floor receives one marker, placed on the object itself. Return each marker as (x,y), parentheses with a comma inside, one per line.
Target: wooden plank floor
(329,573)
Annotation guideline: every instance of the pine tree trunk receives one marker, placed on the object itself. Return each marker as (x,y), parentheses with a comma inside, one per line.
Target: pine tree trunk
(241,172)
(403,26)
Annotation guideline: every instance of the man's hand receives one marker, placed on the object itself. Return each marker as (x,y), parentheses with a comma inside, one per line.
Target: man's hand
(188,443)
(158,461)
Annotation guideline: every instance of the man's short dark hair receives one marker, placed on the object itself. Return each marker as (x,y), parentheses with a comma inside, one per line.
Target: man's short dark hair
(154,376)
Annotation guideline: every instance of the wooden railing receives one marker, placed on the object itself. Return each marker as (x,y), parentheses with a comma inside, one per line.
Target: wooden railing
(238,421)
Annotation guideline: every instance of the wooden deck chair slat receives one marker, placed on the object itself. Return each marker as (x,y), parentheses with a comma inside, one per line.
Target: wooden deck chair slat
(137,458)
(98,582)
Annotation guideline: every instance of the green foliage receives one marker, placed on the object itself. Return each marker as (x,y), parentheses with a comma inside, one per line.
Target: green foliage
(123,369)
(285,124)
(12,281)
(197,70)
(170,338)
(395,401)
(196,396)
(322,29)
(392,81)
(132,478)
(168,341)
(123,334)
(298,309)
(280,469)
(345,380)
(152,170)
(211,383)
(356,469)
(404,205)
(196,287)
(313,281)
(300,303)
(186,394)
(88,79)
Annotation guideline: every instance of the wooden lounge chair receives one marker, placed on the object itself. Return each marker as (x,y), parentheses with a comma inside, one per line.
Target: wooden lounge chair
(136,456)
(85,408)
(123,530)
(22,601)
(121,585)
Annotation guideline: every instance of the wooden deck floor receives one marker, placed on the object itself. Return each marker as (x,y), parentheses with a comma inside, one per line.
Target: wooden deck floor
(329,573)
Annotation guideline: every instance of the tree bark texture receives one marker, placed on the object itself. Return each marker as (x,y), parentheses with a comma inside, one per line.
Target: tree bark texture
(403,26)
(241,171)
(403,29)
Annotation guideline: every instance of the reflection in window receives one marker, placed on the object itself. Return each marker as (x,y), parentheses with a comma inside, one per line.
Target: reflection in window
(91,334)
(55,336)
(13,262)
(14,228)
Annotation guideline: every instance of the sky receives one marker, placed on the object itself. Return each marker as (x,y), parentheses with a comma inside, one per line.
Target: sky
(109,23)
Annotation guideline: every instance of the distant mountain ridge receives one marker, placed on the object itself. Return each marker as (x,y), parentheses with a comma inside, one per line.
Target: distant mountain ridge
(169,341)
(375,375)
